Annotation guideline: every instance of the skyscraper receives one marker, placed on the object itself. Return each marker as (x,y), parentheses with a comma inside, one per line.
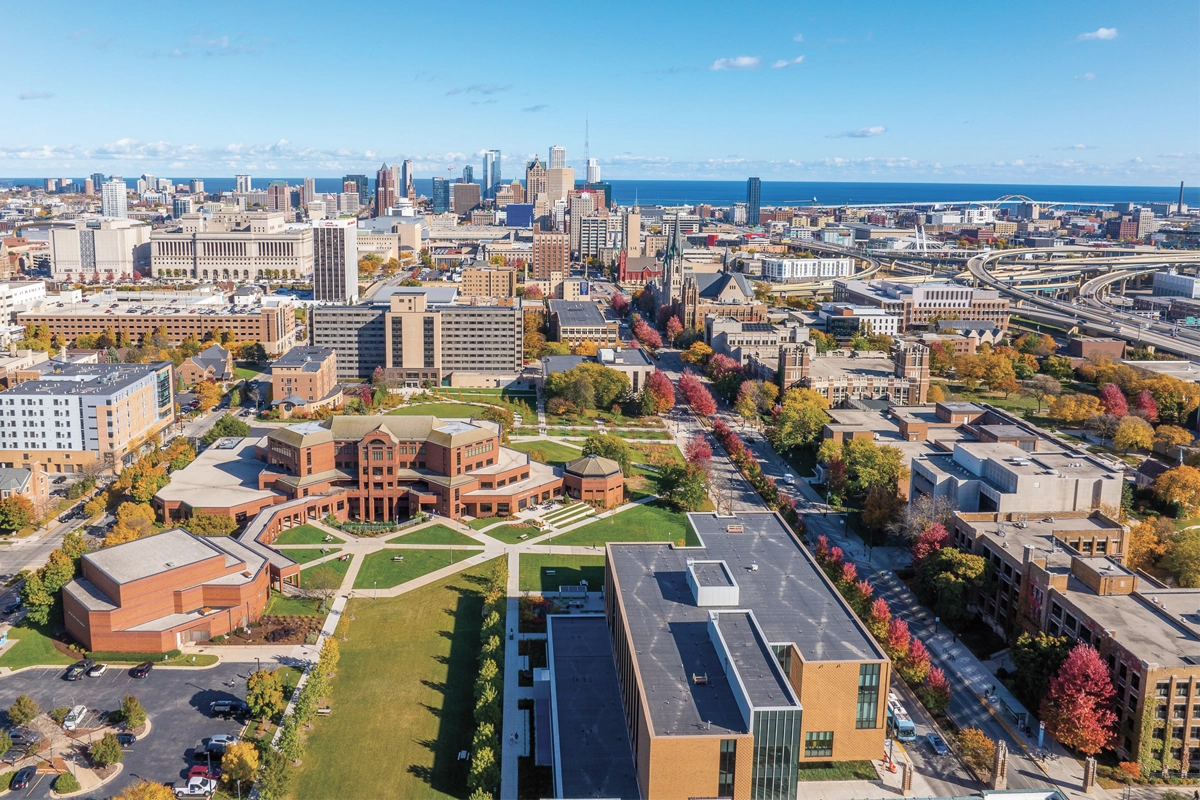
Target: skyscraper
(406,177)
(535,179)
(335,261)
(88,186)
(558,157)
(753,200)
(279,196)
(491,173)
(309,193)
(441,195)
(196,186)
(97,179)
(385,191)
(593,171)
(363,186)
(468,175)
(113,202)
(242,183)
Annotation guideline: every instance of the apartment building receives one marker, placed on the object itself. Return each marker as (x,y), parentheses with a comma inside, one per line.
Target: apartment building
(900,376)
(765,668)
(488,282)
(356,333)
(918,304)
(551,253)
(844,321)
(18,296)
(785,270)
(576,321)
(233,245)
(270,320)
(305,378)
(79,414)
(100,250)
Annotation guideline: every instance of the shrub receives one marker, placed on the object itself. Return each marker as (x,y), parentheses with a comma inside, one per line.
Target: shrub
(6,780)
(59,714)
(66,783)
(107,751)
(132,712)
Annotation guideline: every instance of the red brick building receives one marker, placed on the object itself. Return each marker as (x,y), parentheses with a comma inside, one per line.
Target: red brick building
(595,480)
(155,594)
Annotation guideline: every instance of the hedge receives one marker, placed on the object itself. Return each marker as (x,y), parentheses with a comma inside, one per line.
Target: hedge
(102,656)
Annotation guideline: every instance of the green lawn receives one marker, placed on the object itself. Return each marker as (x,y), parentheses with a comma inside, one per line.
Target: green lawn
(511,534)
(442,410)
(648,523)
(380,567)
(568,571)
(435,534)
(839,771)
(34,647)
(338,566)
(303,555)
(305,534)
(402,698)
(247,374)
(556,454)
(283,606)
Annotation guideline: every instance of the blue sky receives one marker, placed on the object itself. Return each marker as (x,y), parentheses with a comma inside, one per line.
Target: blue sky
(1067,92)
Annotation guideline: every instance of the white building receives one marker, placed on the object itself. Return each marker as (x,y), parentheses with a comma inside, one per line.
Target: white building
(113,200)
(784,270)
(593,171)
(242,184)
(104,249)
(18,296)
(1169,283)
(233,246)
(335,261)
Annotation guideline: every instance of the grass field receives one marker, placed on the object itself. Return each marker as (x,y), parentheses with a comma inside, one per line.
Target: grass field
(556,454)
(442,410)
(340,567)
(305,534)
(511,534)
(435,534)
(402,698)
(247,374)
(34,647)
(568,570)
(482,522)
(648,523)
(380,567)
(284,606)
(303,555)
(839,771)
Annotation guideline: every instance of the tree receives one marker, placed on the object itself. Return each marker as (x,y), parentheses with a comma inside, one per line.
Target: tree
(882,507)
(698,451)
(1148,542)
(1114,400)
(800,419)
(937,691)
(936,394)
(1172,436)
(940,362)
(585,348)
(227,425)
(533,292)
(484,772)
(647,335)
(1077,708)
(725,374)
(264,694)
(661,392)
(674,328)
(697,354)
(1036,658)
(1058,367)
(16,511)
(607,445)
(323,584)
(23,710)
(879,618)
(132,713)
(1103,425)
(502,417)
(331,653)
(697,395)
(66,783)
(945,581)
(899,639)
(205,524)
(134,521)
(914,668)
(976,748)
(208,394)
(929,541)
(746,404)
(1179,485)
(107,751)
(684,487)
(240,762)
(868,464)
(620,304)
(1182,557)
(1134,433)
(147,790)
(1043,387)
(1074,408)
(1144,402)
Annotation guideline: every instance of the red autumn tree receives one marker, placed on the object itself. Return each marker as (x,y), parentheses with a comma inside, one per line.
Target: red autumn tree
(674,328)
(914,667)
(661,390)
(929,541)
(1077,709)
(822,547)
(647,335)
(898,639)
(697,395)
(836,556)
(533,292)
(620,305)
(849,574)
(699,451)
(1144,402)
(720,366)
(879,619)
(1114,400)
(937,690)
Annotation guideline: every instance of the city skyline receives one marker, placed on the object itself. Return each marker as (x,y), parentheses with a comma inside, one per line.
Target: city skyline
(802,95)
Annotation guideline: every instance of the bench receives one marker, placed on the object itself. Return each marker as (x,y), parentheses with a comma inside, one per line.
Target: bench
(324,712)
(397,558)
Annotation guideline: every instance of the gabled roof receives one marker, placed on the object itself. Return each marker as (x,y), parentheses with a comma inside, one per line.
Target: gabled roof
(14,479)
(711,284)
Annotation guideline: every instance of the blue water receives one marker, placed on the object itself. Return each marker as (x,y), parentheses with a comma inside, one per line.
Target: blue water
(789,193)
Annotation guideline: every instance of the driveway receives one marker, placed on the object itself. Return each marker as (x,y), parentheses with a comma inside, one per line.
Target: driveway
(176,701)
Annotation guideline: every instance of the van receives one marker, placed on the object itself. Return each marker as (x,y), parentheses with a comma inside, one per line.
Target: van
(74,718)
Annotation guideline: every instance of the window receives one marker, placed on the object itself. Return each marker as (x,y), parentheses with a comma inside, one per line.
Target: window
(1181,689)
(868,696)
(1161,688)
(818,744)
(727,765)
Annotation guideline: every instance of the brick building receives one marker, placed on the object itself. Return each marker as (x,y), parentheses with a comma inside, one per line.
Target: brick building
(900,376)
(305,378)
(593,479)
(212,364)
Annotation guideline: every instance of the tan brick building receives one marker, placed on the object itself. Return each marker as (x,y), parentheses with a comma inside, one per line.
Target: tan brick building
(551,253)
(305,378)
(488,282)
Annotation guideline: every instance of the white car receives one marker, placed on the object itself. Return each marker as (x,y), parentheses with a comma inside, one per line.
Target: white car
(789,479)
(97,671)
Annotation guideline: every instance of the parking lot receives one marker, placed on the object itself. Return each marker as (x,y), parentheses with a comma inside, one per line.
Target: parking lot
(177,702)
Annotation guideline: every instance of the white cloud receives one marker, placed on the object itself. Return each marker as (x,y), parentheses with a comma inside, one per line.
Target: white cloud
(861,133)
(737,62)
(1087,76)
(783,63)
(35,95)
(1179,155)
(535,109)
(799,37)
(1077,147)
(1102,34)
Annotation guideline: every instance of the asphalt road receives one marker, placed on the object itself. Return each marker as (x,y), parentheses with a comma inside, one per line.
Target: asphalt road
(176,701)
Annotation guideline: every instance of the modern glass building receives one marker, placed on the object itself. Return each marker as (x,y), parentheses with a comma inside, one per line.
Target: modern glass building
(441,195)
(753,200)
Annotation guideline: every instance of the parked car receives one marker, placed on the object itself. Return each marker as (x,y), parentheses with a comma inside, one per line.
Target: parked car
(196,787)
(97,671)
(75,717)
(789,479)
(936,744)
(142,670)
(60,481)
(227,709)
(78,669)
(202,771)
(22,778)
(218,743)
(13,607)
(126,740)
(23,737)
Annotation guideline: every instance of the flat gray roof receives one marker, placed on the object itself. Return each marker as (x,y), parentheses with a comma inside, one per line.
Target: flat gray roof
(152,555)
(592,751)
(791,598)
(757,667)
(709,573)
(219,477)
(577,314)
